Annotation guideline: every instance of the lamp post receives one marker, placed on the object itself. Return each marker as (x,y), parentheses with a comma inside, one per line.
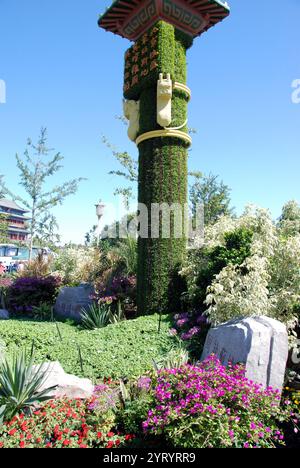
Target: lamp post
(156,100)
(100,208)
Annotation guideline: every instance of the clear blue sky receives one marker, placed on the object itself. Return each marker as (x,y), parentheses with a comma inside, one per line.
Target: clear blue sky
(63,72)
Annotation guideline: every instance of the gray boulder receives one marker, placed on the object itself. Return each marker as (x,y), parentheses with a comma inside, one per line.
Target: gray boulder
(67,385)
(71,301)
(4,314)
(261,343)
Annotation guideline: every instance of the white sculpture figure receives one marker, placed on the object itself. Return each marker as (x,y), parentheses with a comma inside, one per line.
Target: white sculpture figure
(164,100)
(132,113)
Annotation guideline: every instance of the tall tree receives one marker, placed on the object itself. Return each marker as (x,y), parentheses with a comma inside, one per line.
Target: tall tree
(212,193)
(3,229)
(289,221)
(37,165)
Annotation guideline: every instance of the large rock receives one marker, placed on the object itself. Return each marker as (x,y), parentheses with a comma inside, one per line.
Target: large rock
(71,301)
(4,314)
(261,343)
(66,385)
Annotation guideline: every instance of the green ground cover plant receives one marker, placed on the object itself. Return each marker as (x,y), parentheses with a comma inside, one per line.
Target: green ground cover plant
(127,349)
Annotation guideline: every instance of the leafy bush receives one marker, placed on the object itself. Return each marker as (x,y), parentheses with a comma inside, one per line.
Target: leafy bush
(61,424)
(119,289)
(26,293)
(210,406)
(96,316)
(5,284)
(124,349)
(136,400)
(209,261)
(43,312)
(77,265)
(20,386)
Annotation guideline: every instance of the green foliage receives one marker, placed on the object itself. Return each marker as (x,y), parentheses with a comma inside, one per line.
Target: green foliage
(136,401)
(125,349)
(162,179)
(20,386)
(3,228)
(208,262)
(126,252)
(289,221)
(96,316)
(165,46)
(212,194)
(36,167)
(44,311)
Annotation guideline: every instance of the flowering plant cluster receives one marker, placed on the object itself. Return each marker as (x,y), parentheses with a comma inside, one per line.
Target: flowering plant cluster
(60,424)
(29,292)
(191,328)
(119,289)
(210,405)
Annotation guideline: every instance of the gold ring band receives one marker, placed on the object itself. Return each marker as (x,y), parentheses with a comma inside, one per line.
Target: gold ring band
(163,134)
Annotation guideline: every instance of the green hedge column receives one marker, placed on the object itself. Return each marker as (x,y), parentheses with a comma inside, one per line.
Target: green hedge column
(163,179)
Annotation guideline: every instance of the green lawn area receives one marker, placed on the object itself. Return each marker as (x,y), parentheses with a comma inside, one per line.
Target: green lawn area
(126,349)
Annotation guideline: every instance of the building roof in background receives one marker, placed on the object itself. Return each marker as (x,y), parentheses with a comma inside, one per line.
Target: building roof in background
(10,204)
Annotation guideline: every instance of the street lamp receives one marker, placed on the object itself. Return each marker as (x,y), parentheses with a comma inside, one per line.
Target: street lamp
(100,208)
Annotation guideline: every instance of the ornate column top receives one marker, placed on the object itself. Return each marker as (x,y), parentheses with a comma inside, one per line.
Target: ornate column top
(131,18)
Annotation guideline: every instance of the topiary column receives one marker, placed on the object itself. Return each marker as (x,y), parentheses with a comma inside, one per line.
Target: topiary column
(163,30)
(162,175)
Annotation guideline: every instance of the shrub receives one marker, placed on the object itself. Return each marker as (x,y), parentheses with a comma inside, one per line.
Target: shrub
(20,386)
(210,406)
(209,261)
(61,424)
(192,328)
(26,293)
(119,289)
(96,316)
(5,284)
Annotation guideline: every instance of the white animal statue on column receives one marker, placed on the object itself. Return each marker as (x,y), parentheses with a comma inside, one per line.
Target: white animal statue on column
(164,100)
(132,113)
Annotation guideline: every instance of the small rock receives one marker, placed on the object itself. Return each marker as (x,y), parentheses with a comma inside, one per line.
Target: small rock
(67,385)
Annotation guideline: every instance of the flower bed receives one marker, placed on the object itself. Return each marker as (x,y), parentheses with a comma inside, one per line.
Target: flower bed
(209,406)
(62,424)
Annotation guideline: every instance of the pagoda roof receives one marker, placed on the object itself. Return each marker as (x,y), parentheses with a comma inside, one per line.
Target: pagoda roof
(11,205)
(131,18)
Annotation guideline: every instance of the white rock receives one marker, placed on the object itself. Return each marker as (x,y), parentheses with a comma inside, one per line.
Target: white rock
(4,314)
(261,343)
(67,385)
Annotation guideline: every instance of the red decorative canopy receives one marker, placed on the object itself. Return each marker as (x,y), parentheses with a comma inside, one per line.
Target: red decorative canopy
(131,18)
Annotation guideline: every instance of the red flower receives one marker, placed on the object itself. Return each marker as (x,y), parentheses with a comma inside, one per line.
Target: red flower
(66,442)
(110,434)
(110,445)
(12,432)
(22,444)
(1,444)
(99,435)
(23,426)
